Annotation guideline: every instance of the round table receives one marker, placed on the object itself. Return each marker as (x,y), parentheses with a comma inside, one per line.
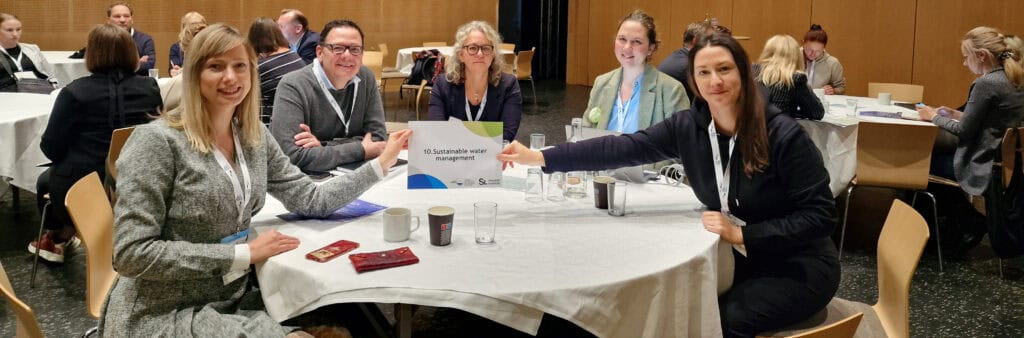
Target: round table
(23,118)
(404,62)
(66,69)
(654,273)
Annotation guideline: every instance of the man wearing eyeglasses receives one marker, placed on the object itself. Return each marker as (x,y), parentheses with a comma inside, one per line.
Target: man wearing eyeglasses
(329,113)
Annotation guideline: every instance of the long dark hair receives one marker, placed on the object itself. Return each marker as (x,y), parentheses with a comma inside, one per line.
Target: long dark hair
(751,130)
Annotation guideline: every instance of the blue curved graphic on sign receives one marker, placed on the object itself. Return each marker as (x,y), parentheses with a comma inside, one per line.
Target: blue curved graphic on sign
(424,181)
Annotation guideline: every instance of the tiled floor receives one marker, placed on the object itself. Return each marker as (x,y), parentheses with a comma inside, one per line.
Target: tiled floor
(968,299)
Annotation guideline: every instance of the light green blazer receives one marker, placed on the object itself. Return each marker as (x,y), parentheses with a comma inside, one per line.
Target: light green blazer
(660,97)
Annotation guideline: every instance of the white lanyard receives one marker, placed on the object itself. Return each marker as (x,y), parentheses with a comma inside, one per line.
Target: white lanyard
(241,196)
(317,70)
(721,175)
(17,62)
(810,73)
(480,113)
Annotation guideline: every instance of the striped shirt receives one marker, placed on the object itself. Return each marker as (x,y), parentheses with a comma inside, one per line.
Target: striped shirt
(271,69)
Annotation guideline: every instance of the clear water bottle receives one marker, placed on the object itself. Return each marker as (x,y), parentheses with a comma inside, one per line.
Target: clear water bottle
(576,181)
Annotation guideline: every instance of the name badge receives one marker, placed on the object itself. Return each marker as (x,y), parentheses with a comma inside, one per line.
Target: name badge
(236,238)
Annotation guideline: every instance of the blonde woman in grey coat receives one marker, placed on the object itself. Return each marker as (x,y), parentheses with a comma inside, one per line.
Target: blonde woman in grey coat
(190,181)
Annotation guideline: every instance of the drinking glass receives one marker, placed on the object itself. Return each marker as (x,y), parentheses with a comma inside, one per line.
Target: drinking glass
(485,214)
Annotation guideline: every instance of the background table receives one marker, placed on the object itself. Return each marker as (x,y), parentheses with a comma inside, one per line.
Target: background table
(653,273)
(66,69)
(404,62)
(23,118)
(836,134)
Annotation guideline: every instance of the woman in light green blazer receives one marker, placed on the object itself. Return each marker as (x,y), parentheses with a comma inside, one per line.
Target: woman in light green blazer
(636,95)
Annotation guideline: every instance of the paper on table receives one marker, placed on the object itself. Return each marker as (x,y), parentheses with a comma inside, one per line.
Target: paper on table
(356,209)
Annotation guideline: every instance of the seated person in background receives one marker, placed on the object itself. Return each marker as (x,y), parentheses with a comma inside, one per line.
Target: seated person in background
(329,113)
(636,95)
(120,14)
(823,70)
(176,277)
(191,21)
(778,73)
(171,90)
(473,87)
(275,60)
(675,64)
(778,215)
(78,135)
(295,27)
(17,57)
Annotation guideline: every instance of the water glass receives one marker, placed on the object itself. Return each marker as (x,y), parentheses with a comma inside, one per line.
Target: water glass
(486,215)
(536,141)
(154,73)
(851,104)
(556,187)
(617,198)
(576,184)
(534,185)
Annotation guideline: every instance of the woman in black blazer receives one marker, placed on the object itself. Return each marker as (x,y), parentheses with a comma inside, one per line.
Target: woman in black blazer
(473,87)
(84,115)
(779,74)
(776,210)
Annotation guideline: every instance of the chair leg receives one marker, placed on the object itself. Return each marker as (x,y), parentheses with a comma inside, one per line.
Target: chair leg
(90,332)
(935,217)
(403,318)
(846,212)
(1001,269)
(533,88)
(376,318)
(39,240)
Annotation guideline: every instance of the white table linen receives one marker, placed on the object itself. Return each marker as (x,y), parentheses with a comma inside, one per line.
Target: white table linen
(23,118)
(653,273)
(836,134)
(66,69)
(404,62)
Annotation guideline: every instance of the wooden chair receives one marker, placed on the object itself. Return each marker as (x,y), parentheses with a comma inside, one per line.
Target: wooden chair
(510,64)
(1003,167)
(388,73)
(900,91)
(383,48)
(899,249)
(524,69)
(508,46)
(845,328)
(894,156)
(419,94)
(375,61)
(435,44)
(26,325)
(117,141)
(94,222)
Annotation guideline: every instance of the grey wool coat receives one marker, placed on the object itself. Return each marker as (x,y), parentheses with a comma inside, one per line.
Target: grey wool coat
(175,205)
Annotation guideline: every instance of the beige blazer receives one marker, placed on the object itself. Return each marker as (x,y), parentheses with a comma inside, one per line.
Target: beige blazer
(660,97)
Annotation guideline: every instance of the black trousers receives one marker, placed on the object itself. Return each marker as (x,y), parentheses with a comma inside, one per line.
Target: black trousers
(777,294)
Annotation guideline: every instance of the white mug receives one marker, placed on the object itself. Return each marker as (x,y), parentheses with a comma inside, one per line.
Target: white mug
(885,99)
(398,224)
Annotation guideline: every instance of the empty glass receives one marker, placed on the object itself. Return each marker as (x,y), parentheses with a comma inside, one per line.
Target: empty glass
(556,187)
(534,185)
(576,184)
(617,198)
(536,141)
(851,106)
(486,215)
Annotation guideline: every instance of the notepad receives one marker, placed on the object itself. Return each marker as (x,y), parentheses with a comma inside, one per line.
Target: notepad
(353,210)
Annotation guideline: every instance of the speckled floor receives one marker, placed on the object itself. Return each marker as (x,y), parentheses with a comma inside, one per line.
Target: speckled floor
(969,299)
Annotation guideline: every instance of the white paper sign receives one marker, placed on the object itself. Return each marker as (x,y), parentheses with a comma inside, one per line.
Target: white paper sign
(454,154)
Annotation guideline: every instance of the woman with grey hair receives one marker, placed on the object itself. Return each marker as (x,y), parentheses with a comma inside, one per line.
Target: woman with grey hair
(473,87)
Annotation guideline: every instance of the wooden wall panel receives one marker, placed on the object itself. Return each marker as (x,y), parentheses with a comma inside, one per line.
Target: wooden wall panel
(873,39)
(578,43)
(64,24)
(940,27)
(760,20)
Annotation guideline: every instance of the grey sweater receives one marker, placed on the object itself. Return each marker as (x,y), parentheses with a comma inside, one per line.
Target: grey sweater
(175,206)
(299,99)
(993,105)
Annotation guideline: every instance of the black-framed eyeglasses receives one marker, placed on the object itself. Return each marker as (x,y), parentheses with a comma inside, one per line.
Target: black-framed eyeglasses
(340,49)
(474,49)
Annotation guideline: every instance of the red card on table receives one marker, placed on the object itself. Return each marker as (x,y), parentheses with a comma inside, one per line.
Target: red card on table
(331,251)
(370,261)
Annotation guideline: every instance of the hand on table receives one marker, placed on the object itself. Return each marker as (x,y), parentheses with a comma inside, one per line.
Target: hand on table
(716,222)
(270,244)
(516,152)
(306,139)
(829,90)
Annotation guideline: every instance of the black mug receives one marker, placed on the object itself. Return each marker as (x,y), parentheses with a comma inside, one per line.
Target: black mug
(601,191)
(441,221)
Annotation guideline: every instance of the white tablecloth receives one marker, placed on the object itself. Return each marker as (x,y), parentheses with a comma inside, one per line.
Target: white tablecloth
(66,69)
(836,134)
(23,119)
(404,64)
(654,273)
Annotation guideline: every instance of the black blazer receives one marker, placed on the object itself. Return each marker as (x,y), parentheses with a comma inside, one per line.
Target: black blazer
(788,206)
(504,103)
(84,115)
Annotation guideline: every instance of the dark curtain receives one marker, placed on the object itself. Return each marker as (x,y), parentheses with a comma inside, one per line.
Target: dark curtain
(541,24)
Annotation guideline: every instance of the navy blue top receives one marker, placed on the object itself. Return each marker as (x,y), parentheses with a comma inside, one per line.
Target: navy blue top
(144,43)
(788,206)
(176,58)
(504,103)
(307,46)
